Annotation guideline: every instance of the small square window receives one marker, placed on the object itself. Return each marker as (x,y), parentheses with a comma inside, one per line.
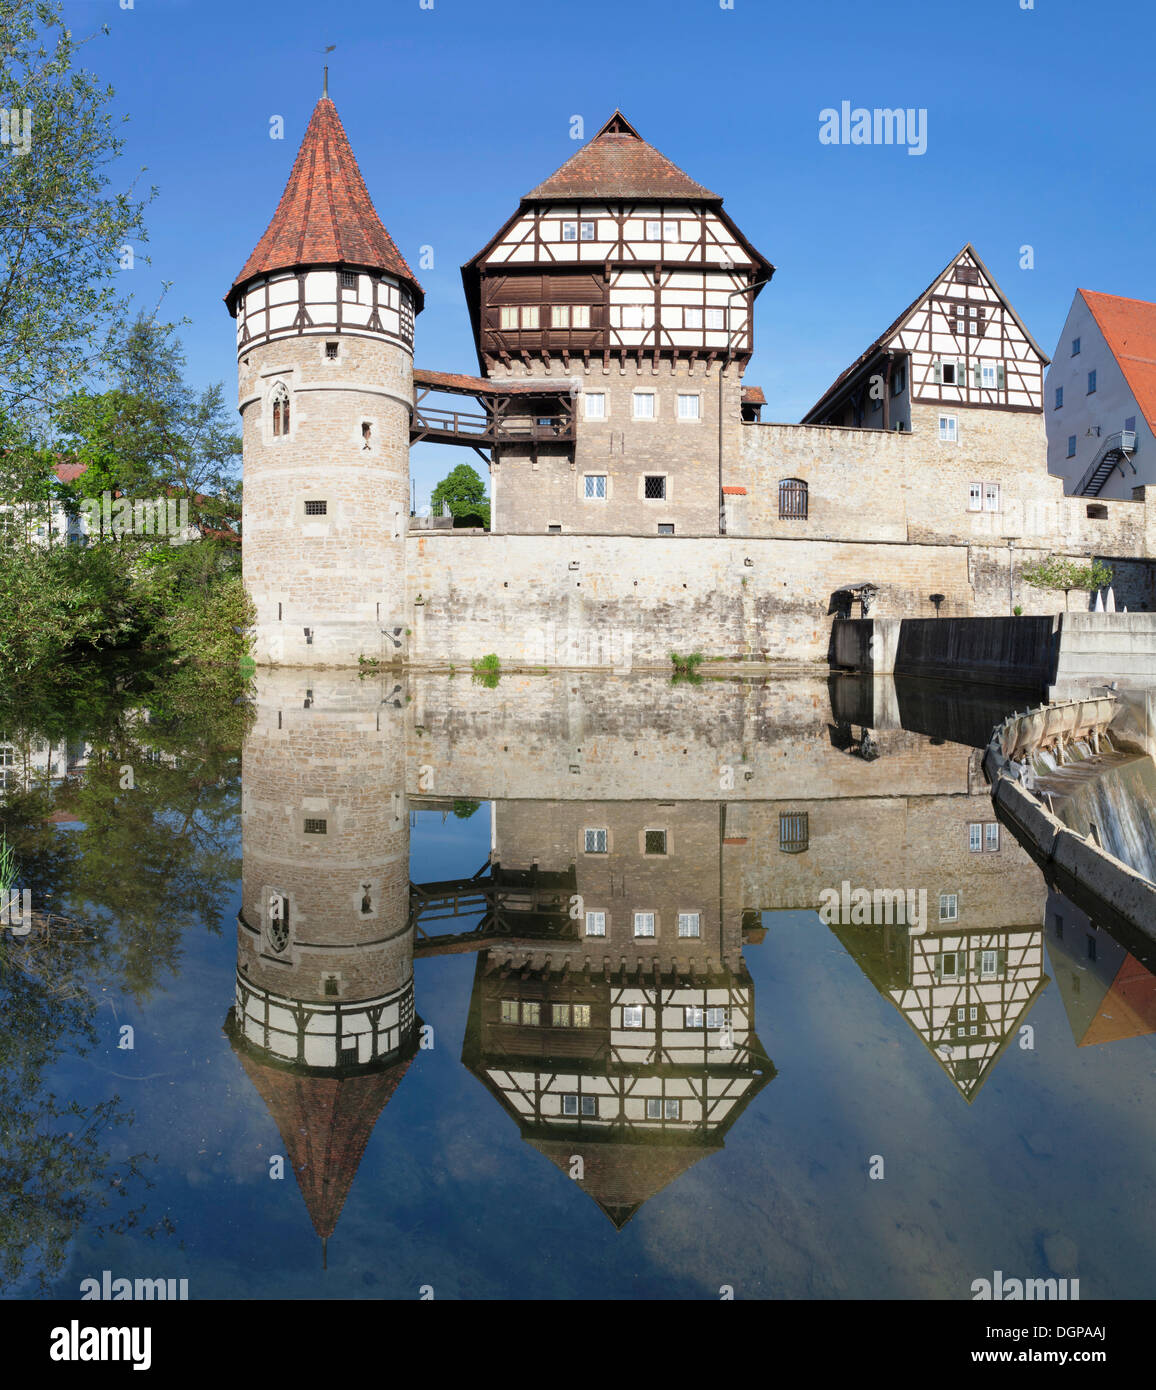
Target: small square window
(1059,397)
(553,529)
(715,318)
(587,231)
(560,1015)
(595,405)
(596,841)
(316,827)
(948,907)
(644,405)
(316,508)
(348,279)
(947,430)
(689,924)
(1071,446)
(529,316)
(1075,347)
(1091,382)
(693,318)
(644,924)
(531,1012)
(949,961)
(632,1015)
(595,487)
(716,1018)
(988,376)
(596,924)
(654,842)
(560,316)
(331,351)
(688,407)
(654,487)
(570,1105)
(569,231)
(580,316)
(693,1016)
(666,528)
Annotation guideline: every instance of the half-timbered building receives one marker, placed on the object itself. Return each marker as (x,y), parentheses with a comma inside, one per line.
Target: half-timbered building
(960,345)
(627,284)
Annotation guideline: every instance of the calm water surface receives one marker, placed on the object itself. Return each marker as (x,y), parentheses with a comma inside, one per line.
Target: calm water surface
(526,992)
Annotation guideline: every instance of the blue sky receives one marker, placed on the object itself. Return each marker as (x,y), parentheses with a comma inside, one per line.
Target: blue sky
(1038,133)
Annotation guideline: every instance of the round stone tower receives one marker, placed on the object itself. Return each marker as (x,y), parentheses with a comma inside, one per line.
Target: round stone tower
(323,1019)
(325,309)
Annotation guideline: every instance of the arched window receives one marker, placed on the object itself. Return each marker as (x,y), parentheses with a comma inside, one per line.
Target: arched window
(280,411)
(792,500)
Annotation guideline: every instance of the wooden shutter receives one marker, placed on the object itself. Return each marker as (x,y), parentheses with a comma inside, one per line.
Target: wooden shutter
(938,371)
(1001,376)
(979,374)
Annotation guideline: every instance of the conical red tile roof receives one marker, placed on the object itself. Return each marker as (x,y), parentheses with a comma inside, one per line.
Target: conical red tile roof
(326,216)
(325,1122)
(618,163)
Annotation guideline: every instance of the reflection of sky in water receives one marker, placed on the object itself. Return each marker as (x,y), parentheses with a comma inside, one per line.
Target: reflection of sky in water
(448,1193)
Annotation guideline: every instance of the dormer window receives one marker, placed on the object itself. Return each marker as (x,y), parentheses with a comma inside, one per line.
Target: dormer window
(280,411)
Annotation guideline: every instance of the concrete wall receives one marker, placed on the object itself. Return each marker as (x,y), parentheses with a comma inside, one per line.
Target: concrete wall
(1100,647)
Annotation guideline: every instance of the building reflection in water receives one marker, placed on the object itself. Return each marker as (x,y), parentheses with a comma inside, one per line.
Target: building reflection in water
(639,832)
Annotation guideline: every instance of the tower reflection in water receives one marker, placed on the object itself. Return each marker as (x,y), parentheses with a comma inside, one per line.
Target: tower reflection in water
(639,833)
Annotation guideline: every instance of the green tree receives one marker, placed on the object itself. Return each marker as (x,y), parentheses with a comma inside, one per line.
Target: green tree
(64,226)
(464,493)
(1059,572)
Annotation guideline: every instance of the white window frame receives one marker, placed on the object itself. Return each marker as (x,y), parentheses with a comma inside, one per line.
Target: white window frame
(991,497)
(586,231)
(693,1016)
(560,316)
(654,1107)
(687,921)
(984,369)
(595,496)
(596,924)
(570,1103)
(633,1016)
(949,907)
(596,830)
(579,315)
(991,836)
(717,1016)
(599,411)
(649,396)
(975,837)
(645,921)
(987,972)
(975,497)
(692,316)
(569,231)
(531,316)
(715,319)
(687,400)
(950,434)
(508,316)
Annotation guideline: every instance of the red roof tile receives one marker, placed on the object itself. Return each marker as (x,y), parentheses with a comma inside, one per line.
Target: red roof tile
(735,491)
(753,395)
(325,216)
(486,386)
(69,472)
(1129,329)
(618,163)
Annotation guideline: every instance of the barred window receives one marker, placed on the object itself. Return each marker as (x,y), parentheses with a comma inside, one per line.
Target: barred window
(793,831)
(316,827)
(316,508)
(792,500)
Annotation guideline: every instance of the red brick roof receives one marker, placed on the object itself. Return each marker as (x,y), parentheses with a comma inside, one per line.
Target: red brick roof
(753,395)
(618,163)
(325,216)
(1129,329)
(735,491)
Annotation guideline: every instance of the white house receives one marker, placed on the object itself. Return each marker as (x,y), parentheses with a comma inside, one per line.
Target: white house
(1100,397)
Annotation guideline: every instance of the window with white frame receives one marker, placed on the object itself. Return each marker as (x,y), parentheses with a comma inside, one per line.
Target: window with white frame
(596,924)
(644,924)
(975,837)
(989,377)
(947,429)
(560,316)
(596,841)
(992,836)
(950,965)
(509,1011)
(529,316)
(586,231)
(692,318)
(644,405)
(688,407)
(716,318)
(975,497)
(988,964)
(595,484)
(508,316)
(581,1015)
(595,405)
(580,316)
(716,1017)
(632,1015)
(689,924)
(948,907)
(573,1104)
(693,1016)
(662,231)
(569,231)
(531,1012)
(991,497)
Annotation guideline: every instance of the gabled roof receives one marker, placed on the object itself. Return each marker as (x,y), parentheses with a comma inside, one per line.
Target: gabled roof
(621,1176)
(1129,329)
(618,163)
(884,339)
(325,216)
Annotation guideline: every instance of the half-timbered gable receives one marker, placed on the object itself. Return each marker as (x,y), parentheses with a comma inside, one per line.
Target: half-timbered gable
(959,345)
